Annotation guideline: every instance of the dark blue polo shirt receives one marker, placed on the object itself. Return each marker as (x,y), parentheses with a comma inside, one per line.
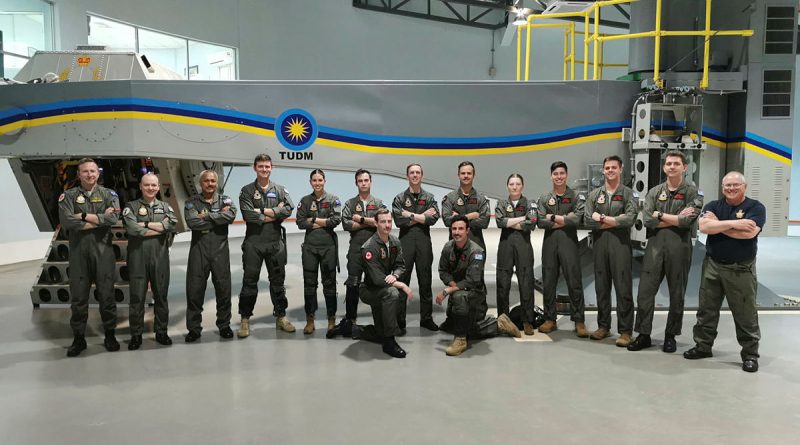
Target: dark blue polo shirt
(723,248)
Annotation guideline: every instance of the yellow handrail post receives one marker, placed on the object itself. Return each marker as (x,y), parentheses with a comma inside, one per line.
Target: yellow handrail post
(586,46)
(572,51)
(528,51)
(707,49)
(657,61)
(595,41)
(602,63)
(566,51)
(519,49)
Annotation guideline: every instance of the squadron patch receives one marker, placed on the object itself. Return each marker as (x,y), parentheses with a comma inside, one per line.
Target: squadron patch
(601,199)
(383,253)
(126,212)
(313,207)
(700,193)
(460,202)
(189,205)
(552,201)
(509,209)
(740,214)
(80,199)
(662,196)
(582,197)
(479,256)
(368,255)
(358,208)
(61,198)
(227,201)
(337,203)
(408,202)
(257,195)
(142,211)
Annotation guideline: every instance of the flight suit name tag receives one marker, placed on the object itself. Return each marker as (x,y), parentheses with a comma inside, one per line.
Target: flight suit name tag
(96,199)
(158,210)
(472,201)
(679,196)
(272,195)
(565,200)
(371,207)
(616,198)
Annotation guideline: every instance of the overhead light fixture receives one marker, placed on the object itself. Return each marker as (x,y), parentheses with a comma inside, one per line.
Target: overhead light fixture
(522,18)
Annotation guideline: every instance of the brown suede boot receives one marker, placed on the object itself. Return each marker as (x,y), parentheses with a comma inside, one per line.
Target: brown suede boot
(548,327)
(580,330)
(506,326)
(600,334)
(528,328)
(244,328)
(309,329)
(624,340)
(283,324)
(331,323)
(458,346)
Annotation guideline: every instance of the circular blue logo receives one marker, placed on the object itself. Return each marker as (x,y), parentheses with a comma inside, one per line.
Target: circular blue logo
(296,129)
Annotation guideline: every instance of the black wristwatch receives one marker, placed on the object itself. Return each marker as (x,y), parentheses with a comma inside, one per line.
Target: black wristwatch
(553,217)
(83,216)
(146,224)
(659,216)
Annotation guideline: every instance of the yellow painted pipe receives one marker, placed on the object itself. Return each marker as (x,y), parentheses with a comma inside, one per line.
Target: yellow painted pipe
(519,49)
(572,52)
(528,56)
(707,49)
(636,35)
(595,70)
(709,33)
(586,47)
(657,58)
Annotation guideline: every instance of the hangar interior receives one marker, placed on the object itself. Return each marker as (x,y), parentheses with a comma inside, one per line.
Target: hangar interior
(414,76)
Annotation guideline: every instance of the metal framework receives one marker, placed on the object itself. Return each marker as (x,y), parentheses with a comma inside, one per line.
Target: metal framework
(486,14)
(598,39)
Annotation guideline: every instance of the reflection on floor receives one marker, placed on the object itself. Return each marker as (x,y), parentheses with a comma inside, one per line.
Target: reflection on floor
(289,388)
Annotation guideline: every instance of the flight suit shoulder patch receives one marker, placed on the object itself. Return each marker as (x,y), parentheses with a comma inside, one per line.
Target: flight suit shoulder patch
(368,255)
(127,211)
(61,198)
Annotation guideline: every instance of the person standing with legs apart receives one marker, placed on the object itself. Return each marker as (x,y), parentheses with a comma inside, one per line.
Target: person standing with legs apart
(318,214)
(150,224)
(611,210)
(560,212)
(517,218)
(208,215)
(383,264)
(264,205)
(358,218)
(669,212)
(415,211)
(87,212)
(729,270)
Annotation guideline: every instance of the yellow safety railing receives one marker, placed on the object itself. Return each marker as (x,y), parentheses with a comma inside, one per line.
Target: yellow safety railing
(569,46)
(597,40)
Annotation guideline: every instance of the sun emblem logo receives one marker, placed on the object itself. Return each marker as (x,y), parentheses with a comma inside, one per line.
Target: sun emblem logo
(296,129)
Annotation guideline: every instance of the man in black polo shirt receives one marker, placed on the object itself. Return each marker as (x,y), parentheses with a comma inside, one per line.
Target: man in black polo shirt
(729,269)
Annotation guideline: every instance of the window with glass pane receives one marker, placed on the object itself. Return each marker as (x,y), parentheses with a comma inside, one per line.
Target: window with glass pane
(113,35)
(211,62)
(166,50)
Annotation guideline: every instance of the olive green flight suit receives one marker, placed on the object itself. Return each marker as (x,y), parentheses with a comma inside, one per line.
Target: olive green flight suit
(560,250)
(668,254)
(319,249)
(456,201)
(612,254)
(208,254)
(91,256)
(148,261)
(354,206)
(264,243)
(378,260)
(466,307)
(515,251)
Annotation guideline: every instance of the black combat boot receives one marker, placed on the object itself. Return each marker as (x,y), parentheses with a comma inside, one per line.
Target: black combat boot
(78,345)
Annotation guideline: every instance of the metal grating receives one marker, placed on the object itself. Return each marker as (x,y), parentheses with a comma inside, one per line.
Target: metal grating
(779,36)
(776,95)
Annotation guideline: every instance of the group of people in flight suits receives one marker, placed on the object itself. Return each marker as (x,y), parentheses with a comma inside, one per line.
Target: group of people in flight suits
(379,265)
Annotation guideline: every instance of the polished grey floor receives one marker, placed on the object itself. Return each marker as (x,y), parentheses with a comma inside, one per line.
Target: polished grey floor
(290,388)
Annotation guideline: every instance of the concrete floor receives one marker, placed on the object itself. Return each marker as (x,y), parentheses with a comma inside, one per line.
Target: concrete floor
(289,388)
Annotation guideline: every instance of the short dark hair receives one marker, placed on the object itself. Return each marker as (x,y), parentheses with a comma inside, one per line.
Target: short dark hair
(86,161)
(408,167)
(459,218)
(676,154)
(466,163)
(515,175)
(382,211)
(612,158)
(558,164)
(361,171)
(316,171)
(263,157)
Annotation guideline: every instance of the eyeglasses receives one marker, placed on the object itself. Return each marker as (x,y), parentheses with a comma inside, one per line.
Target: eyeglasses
(732,186)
